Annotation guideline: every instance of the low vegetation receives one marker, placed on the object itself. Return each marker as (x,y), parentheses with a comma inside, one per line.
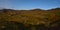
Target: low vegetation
(36,19)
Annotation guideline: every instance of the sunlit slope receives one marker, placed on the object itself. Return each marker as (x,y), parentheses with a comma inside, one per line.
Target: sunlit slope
(34,17)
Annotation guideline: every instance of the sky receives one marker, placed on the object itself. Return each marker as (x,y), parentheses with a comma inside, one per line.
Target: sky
(29,4)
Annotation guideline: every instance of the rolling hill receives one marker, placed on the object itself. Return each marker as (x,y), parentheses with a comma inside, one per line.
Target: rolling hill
(48,18)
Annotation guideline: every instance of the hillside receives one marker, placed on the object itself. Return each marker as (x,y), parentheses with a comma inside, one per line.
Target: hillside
(34,17)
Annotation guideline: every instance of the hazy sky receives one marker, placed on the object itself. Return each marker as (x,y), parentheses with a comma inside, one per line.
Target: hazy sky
(29,4)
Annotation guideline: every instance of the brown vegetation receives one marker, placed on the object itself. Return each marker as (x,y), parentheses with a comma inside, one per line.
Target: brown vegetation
(32,17)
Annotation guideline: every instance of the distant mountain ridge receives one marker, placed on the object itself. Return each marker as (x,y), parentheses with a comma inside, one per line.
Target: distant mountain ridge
(33,9)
